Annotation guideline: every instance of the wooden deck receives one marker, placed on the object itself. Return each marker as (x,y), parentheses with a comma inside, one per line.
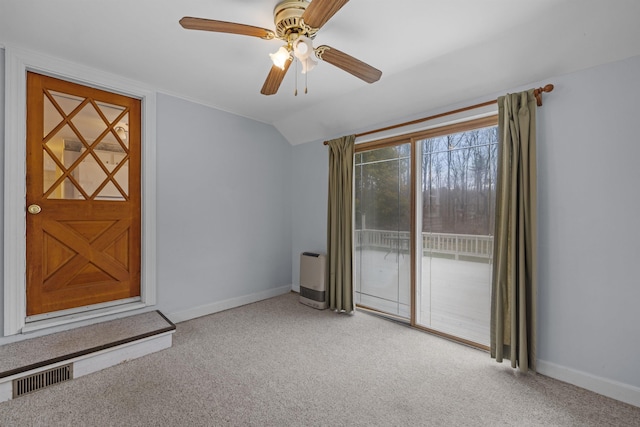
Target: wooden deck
(453,296)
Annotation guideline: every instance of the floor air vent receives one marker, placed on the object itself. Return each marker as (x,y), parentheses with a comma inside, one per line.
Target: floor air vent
(22,386)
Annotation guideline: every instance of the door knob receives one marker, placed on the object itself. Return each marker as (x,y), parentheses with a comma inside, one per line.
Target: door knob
(34,209)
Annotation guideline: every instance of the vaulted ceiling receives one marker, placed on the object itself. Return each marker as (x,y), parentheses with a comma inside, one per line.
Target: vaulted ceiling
(432,53)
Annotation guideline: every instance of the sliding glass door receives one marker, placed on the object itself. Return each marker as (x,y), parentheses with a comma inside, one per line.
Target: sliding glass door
(424,217)
(456,222)
(382,229)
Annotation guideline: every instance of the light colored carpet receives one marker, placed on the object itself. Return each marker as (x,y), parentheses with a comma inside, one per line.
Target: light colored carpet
(279,363)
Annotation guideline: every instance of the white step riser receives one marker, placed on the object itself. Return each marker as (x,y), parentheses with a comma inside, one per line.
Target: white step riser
(97,361)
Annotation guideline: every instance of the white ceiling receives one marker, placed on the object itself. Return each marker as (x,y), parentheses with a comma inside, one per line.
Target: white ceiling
(432,53)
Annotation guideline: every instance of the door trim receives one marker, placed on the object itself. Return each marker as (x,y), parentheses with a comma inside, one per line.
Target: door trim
(17,63)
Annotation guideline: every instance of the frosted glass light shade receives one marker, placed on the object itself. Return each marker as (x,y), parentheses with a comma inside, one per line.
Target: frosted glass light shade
(302,48)
(308,65)
(280,57)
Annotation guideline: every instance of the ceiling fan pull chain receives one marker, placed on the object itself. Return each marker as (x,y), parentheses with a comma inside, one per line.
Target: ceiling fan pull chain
(305,82)
(296,73)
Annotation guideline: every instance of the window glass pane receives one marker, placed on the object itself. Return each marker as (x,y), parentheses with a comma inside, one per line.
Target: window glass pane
(109,151)
(382,222)
(457,206)
(386,153)
(89,174)
(66,190)
(89,123)
(109,192)
(51,174)
(110,111)
(66,102)
(122,177)
(85,150)
(52,117)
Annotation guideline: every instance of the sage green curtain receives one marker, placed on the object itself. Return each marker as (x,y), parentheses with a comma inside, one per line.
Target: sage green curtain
(513,296)
(340,224)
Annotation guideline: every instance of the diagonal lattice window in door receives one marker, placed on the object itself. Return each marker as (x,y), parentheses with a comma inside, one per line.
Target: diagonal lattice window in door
(86,152)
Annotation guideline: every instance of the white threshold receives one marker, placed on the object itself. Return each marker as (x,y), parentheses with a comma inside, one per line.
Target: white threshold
(63,317)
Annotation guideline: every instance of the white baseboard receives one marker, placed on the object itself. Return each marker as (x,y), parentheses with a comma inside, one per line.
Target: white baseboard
(616,390)
(203,310)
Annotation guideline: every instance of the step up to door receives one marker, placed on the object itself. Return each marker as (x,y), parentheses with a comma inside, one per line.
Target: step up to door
(37,363)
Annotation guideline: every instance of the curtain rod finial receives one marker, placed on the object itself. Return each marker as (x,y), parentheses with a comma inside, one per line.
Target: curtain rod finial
(538,93)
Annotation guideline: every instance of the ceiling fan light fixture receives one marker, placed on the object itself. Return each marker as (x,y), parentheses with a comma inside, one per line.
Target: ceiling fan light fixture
(302,48)
(280,57)
(308,64)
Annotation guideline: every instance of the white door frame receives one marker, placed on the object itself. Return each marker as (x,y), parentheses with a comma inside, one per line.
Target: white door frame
(17,63)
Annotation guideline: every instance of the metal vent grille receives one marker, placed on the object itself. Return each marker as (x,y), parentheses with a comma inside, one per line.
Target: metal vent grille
(22,386)
(312,294)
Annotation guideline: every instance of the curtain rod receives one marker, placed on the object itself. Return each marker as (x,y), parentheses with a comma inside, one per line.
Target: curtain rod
(536,92)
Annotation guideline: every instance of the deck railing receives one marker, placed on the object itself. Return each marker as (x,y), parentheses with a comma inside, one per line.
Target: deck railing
(468,246)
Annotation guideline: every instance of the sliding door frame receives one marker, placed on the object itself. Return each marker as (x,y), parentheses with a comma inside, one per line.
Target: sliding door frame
(413,138)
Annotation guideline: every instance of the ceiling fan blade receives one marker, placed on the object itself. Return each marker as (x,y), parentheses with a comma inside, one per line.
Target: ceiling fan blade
(275,77)
(348,63)
(225,27)
(320,11)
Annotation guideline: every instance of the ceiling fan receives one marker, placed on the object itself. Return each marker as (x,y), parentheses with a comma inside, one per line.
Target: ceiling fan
(296,23)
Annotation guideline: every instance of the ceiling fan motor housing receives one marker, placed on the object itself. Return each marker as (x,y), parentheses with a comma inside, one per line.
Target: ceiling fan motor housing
(287,18)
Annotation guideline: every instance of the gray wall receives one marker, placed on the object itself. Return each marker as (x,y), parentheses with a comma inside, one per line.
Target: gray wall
(310,177)
(588,225)
(224,206)
(589,237)
(2,188)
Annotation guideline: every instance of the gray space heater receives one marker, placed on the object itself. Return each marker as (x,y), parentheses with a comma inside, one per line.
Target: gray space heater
(313,280)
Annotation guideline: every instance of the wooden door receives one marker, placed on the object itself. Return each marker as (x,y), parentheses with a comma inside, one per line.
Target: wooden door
(83,196)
